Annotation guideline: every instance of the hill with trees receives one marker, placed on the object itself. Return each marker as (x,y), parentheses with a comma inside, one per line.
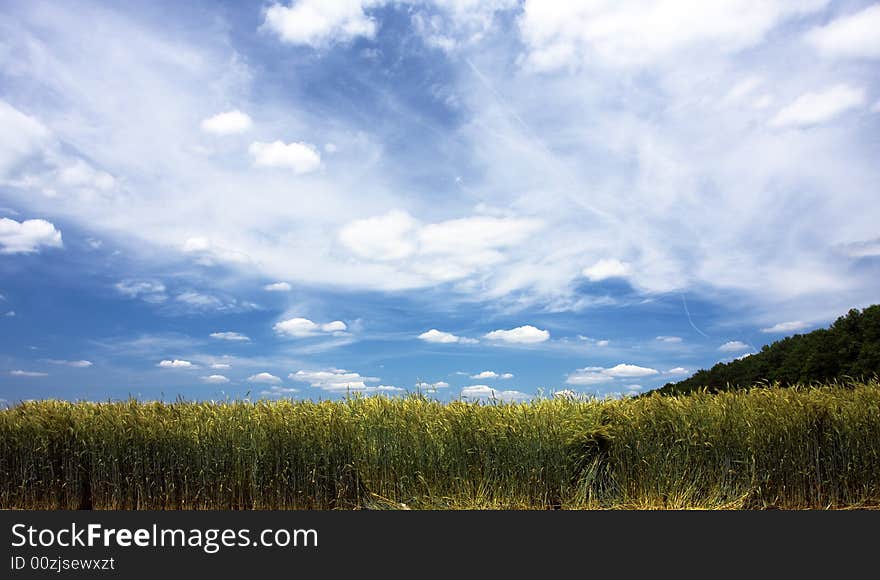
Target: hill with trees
(849,348)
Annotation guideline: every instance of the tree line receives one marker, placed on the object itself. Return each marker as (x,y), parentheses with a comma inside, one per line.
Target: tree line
(848,348)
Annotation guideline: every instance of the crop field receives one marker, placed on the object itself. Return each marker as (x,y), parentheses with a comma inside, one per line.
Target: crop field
(801,447)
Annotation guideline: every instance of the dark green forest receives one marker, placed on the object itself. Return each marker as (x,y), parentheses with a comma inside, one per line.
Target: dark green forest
(849,348)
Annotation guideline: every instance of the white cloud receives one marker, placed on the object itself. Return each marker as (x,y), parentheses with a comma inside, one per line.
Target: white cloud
(148,290)
(27,237)
(265,378)
(628,371)
(277,391)
(588,376)
(277,287)
(487,392)
(435,252)
(669,339)
(215,379)
(228,123)
(79,174)
(599,375)
(175,364)
(233,336)
(335,326)
(302,158)
(634,33)
(385,237)
(851,36)
(432,386)
(790,326)
(492,375)
(199,301)
(605,269)
(209,253)
(593,341)
(303,327)
(521,335)
(317,23)
(743,88)
(22,136)
(220,366)
(815,108)
(678,371)
(9,314)
(863,248)
(79,364)
(21,373)
(733,346)
(439,336)
(335,380)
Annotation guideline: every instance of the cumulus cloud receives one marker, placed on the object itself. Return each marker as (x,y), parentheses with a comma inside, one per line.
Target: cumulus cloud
(21,373)
(605,269)
(277,287)
(175,364)
(78,364)
(335,380)
(815,108)
(232,336)
(265,378)
(28,236)
(317,23)
(733,346)
(303,327)
(790,326)
(491,375)
(669,339)
(628,371)
(599,375)
(442,337)
(220,366)
(678,371)
(521,335)
(228,123)
(215,379)
(432,386)
(301,158)
(487,392)
(851,36)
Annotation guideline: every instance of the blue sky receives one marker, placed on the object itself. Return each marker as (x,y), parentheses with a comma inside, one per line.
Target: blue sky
(485,198)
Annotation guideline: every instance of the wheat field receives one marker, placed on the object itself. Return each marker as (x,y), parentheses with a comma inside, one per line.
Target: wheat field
(811,447)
